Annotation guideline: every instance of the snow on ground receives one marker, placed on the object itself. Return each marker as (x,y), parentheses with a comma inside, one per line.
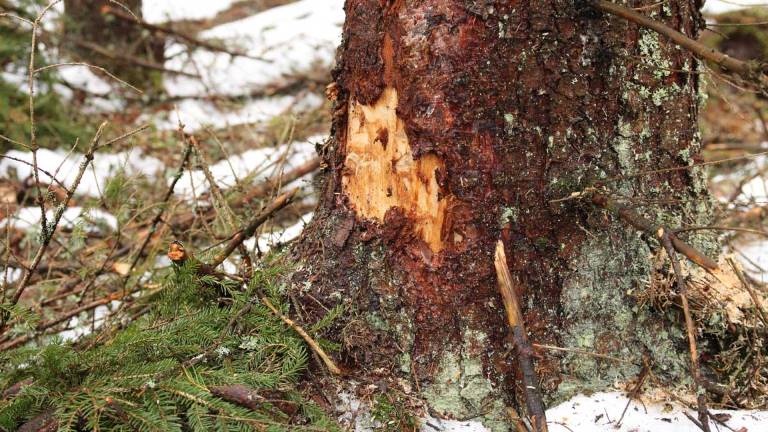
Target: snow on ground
(601,411)
(160,11)
(279,236)
(66,167)
(284,40)
(720,6)
(289,38)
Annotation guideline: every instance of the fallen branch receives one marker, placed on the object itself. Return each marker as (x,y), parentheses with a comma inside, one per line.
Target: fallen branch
(636,220)
(749,70)
(523,347)
(185,220)
(47,325)
(159,215)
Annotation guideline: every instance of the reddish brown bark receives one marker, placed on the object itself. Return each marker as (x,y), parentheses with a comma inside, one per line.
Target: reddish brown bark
(516,104)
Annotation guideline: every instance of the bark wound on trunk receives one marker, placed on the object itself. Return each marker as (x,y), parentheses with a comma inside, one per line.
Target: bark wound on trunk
(380,172)
(456,123)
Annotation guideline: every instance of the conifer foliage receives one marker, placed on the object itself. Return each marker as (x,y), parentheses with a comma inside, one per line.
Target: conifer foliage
(163,370)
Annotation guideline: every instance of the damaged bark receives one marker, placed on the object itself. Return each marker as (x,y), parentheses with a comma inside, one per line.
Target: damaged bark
(460,123)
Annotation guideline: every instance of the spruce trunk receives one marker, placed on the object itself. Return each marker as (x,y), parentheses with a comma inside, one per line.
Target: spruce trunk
(459,123)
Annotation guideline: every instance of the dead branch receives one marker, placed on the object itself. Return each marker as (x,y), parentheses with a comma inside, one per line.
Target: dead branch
(239,394)
(664,236)
(523,347)
(49,324)
(749,70)
(44,422)
(159,214)
(747,286)
(639,222)
(237,11)
(259,191)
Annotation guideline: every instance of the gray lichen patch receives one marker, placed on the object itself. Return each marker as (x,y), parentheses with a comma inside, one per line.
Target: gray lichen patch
(603,317)
(460,389)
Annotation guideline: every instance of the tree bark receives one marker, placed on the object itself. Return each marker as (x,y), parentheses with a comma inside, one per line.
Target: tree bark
(458,123)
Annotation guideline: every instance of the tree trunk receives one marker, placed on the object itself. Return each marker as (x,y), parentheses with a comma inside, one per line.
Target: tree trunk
(117,41)
(459,123)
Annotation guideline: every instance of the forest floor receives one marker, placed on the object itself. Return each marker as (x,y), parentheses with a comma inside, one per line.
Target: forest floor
(252,123)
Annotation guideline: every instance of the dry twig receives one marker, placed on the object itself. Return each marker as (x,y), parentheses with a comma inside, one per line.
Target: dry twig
(749,70)
(522,345)
(664,236)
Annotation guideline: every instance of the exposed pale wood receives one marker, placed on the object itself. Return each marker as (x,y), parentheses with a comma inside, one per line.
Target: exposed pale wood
(381,172)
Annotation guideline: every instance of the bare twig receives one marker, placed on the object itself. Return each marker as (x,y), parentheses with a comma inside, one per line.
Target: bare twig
(665,238)
(643,224)
(98,49)
(159,215)
(46,325)
(191,40)
(522,345)
(752,294)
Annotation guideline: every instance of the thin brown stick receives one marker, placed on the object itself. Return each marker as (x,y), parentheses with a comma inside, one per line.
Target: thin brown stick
(307,338)
(522,345)
(750,70)
(752,294)
(582,352)
(665,238)
(247,231)
(639,222)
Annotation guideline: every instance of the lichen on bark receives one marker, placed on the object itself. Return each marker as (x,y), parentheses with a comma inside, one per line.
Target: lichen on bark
(522,105)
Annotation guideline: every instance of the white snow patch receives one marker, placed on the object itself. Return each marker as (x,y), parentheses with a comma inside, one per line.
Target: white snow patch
(82,327)
(269,240)
(293,37)
(104,166)
(196,113)
(720,6)
(10,275)
(753,256)
(431,424)
(601,411)
(160,11)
